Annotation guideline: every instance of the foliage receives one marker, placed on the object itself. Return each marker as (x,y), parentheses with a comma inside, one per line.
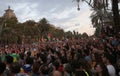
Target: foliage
(85,35)
(100,12)
(29,31)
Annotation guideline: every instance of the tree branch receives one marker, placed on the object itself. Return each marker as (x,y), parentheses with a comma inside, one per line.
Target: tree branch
(89,3)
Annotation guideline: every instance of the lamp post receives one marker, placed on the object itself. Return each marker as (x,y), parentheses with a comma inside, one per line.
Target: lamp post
(78,1)
(104,3)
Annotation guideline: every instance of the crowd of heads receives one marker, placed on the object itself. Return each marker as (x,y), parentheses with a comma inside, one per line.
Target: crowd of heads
(82,57)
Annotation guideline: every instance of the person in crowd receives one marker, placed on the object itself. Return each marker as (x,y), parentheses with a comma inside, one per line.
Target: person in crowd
(55,65)
(87,56)
(44,70)
(21,58)
(118,67)
(51,57)
(9,61)
(101,70)
(56,73)
(15,70)
(28,64)
(36,69)
(2,69)
(80,69)
(15,56)
(67,70)
(107,61)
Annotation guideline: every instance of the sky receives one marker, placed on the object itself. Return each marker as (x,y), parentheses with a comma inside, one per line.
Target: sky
(61,13)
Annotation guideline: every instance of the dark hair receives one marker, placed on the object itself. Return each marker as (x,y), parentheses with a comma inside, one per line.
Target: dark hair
(109,57)
(51,74)
(68,68)
(36,67)
(29,60)
(44,69)
(86,51)
(56,64)
(98,57)
(21,55)
(2,67)
(104,69)
(15,67)
(29,54)
(9,59)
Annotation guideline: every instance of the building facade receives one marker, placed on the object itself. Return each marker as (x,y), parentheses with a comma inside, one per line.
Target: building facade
(9,13)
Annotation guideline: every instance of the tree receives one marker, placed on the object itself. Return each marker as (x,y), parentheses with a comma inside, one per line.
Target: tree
(7,30)
(85,35)
(103,4)
(68,35)
(29,30)
(11,22)
(1,24)
(43,27)
(58,33)
(97,31)
(99,19)
(28,27)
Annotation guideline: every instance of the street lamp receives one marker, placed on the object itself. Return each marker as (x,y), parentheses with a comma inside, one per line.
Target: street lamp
(78,1)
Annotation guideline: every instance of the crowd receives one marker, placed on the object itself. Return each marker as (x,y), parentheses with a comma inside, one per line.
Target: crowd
(83,57)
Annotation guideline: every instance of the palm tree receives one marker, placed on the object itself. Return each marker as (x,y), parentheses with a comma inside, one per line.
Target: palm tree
(99,17)
(103,4)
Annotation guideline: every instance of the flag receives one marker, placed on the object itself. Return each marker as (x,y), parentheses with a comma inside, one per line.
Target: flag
(42,39)
(49,36)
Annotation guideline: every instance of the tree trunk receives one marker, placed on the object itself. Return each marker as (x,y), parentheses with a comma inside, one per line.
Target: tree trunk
(116,16)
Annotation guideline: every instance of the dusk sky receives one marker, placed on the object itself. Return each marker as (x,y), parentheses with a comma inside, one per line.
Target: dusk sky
(61,13)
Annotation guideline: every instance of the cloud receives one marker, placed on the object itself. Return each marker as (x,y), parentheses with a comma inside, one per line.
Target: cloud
(62,13)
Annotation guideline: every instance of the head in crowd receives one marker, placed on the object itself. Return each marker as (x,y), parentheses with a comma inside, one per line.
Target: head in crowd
(36,68)
(77,56)
(13,51)
(44,69)
(56,65)
(2,68)
(9,59)
(67,69)
(28,64)
(101,69)
(28,53)
(56,73)
(29,60)
(21,55)
(107,59)
(97,57)
(15,68)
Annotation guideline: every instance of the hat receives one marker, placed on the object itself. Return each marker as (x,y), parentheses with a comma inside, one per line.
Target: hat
(27,68)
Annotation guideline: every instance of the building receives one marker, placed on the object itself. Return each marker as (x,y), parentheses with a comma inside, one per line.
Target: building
(9,13)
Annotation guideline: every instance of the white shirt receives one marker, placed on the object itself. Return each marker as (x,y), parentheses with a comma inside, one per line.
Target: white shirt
(111,70)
